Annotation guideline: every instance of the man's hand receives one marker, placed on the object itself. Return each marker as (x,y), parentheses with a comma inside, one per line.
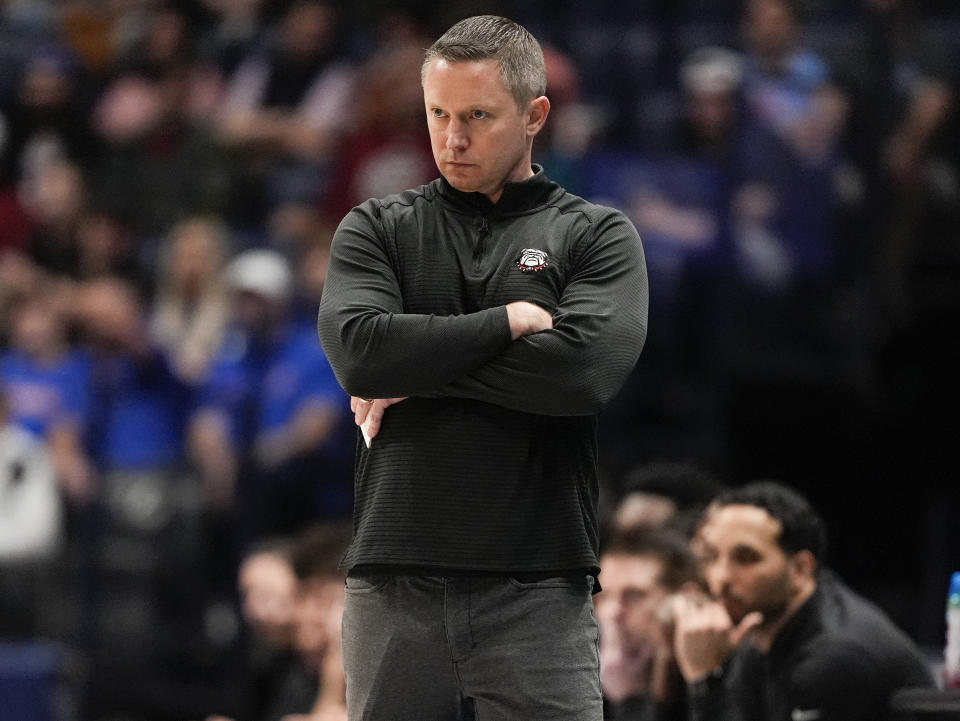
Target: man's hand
(526,318)
(705,636)
(368,414)
(625,672)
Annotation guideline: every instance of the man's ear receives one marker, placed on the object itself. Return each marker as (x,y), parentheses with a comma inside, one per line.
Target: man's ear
(804,564)
(537,112)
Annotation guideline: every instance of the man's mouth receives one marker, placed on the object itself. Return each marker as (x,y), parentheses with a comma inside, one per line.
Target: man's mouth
(735,607)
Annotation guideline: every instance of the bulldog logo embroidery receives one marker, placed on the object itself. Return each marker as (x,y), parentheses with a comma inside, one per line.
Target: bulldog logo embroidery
(532,260)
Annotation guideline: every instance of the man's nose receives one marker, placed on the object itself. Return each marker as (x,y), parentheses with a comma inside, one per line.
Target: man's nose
(609,610)
(718,575)
(456,136)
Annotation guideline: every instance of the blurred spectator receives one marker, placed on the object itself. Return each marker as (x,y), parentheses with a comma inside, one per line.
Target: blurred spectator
(106,247)
(190,310)
(24,26)
(574,124)
(266,433)
(139,405)
(678,205)
(235,31)
(789,90)
(143,570)
(88,29)
(784,359)
(386,149)
(292,595)
(794,114)
(283,113)
(676,190)
(71,236)
(312,257)
(664,494)
(160,162)
(47,120)
(15,223)
(268,590)
(641,569)
(55,195)
(47,385)
(19,279)
(710,81)
(30,528)
(268,596)
(901,139)
(319,612)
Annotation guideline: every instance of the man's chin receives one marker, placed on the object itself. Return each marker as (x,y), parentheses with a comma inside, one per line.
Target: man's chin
(460,181)
(736,610)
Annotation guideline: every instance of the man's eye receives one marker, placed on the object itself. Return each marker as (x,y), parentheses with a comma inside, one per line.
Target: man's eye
(745,556)
(478,114)
(707,556)
(635,595)
(436,112)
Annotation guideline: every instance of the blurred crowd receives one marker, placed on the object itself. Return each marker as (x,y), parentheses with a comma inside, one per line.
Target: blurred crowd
(171,174)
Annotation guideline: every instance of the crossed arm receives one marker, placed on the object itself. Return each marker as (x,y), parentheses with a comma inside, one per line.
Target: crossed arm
(574,359)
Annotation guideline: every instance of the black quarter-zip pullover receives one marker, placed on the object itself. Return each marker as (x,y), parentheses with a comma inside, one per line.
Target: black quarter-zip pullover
(490,464)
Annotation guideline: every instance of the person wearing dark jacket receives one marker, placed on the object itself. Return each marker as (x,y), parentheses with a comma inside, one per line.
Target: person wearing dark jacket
(784,640)
(645,571)
(480,324)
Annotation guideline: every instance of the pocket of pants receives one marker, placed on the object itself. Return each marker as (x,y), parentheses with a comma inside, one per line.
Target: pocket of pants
(573,581)
(366,582)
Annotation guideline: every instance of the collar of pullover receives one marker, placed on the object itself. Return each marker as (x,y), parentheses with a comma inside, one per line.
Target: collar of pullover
(516,197)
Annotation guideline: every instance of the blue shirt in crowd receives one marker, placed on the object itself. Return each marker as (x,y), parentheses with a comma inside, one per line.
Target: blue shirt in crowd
(42,396)
(261,386)
(139,413)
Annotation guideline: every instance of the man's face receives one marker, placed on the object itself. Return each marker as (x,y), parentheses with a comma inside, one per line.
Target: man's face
(255,312)
(631,595)
(743,563)
(770,28)
(480,138)
(318,614)
(268,589)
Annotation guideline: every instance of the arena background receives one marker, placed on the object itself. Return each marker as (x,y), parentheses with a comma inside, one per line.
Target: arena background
(801,233)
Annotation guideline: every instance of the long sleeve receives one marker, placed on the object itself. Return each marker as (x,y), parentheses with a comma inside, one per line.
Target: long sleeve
(490,464)
(737,696)
(599,328)
(714,705)
(375,348)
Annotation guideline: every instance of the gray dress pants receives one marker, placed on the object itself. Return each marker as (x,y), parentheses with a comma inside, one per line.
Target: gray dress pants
(469,648)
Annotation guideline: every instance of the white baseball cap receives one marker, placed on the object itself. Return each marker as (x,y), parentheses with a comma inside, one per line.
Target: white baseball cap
(712,69)
(264,272)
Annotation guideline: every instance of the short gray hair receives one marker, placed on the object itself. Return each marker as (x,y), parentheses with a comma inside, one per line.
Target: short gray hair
(481,37)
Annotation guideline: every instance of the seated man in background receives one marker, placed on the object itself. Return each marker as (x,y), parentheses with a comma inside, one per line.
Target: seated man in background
(783,639)
(665,494)
(642,570)
(319,610)
(292,600)
(268,591)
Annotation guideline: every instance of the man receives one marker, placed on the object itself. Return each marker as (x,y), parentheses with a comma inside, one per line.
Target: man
(507,312)
(318,616)
(784,640)
(269,418)
(643,569)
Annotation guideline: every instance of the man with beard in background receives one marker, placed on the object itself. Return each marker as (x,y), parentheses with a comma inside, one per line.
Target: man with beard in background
(784,639)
